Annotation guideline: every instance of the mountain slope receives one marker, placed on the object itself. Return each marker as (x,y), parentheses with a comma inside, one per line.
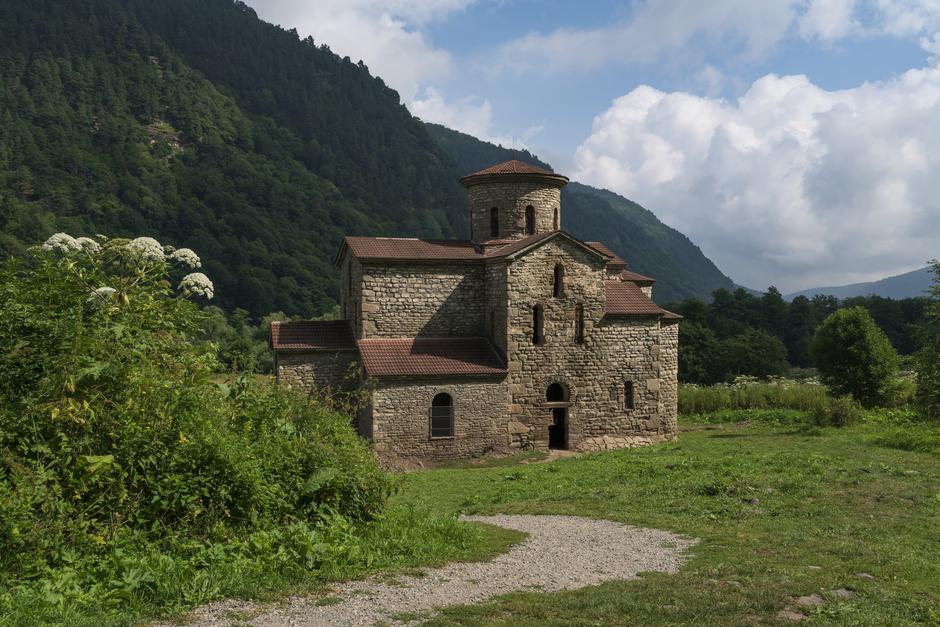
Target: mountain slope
(907,285)
(648,245)
(109,123)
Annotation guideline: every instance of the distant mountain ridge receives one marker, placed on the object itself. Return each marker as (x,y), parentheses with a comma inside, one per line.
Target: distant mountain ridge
(650,247)
(907,285)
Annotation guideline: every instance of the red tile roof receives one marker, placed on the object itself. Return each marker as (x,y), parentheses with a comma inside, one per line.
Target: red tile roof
(513,166)
(639,279)
(310,336)
(623,298)
(437,356)
(615,261)
(411,248)
(514,246)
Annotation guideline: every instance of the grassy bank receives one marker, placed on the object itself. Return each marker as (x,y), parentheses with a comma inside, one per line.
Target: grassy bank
(782,510)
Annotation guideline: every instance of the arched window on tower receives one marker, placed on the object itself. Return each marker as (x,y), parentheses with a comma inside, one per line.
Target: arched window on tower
(494,222)
(558,286)
(530,220)
(555,220)
(538,326)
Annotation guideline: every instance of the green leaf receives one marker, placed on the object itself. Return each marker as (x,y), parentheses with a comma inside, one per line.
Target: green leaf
(97,463)
(318,479)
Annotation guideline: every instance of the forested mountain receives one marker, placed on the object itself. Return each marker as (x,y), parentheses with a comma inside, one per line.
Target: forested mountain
(203,126)
(592,214)
(199,124)
(907,285)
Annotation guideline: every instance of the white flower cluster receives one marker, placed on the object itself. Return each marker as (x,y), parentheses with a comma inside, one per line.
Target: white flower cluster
(147,249)
(62,243)
(186,257)
(197,284)
(102,296)
(66,244)
(88,245)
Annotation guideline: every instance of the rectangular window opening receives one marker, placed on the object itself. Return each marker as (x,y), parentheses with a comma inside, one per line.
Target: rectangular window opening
(629,401)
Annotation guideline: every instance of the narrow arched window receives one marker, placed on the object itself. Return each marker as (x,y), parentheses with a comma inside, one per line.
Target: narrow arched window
(555,219)
(530,220)
(579,323)
(538,326)
(558,283)
(494,222)
(442,416)
(629,401)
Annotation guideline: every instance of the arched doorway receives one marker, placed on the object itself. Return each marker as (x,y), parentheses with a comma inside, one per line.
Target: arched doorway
(556,397)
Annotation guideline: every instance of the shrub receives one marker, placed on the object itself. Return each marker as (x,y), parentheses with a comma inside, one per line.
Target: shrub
(841,411)
(854,356)
(113,434)
(749,393)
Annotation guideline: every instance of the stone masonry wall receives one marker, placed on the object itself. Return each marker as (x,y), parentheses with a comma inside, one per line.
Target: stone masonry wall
(614,351)
(400,300)
(401,422)
(495,317)
(512,198)
(320,372)
(669,377)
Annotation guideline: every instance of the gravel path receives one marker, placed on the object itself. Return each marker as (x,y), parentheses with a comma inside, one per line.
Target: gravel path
(561,553)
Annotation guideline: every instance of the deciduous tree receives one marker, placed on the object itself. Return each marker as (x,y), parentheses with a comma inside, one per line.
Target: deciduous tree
(854,356)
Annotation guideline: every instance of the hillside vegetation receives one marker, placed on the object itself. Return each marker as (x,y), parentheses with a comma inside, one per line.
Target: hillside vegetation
(197,122)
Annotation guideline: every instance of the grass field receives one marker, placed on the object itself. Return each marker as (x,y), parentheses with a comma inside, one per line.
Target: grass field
(781,511)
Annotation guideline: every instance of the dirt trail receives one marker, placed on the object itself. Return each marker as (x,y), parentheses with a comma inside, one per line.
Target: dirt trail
(561,553)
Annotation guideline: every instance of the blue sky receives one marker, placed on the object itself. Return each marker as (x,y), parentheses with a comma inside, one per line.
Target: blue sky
(793,140)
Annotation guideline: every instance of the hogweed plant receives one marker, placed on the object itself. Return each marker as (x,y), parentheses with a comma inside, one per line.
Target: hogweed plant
(116,440)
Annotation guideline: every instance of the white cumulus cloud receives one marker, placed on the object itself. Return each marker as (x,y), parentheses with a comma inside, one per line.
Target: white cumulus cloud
(790,184)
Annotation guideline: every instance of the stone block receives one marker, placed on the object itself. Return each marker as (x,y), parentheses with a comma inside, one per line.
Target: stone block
(516,427)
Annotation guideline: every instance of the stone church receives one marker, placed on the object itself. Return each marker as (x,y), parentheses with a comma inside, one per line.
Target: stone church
(521,337)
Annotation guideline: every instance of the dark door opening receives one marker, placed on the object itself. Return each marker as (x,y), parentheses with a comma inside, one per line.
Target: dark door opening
(558,430)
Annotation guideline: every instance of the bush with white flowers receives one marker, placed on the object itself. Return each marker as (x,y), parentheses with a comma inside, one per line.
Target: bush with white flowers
(132,263)
(123,459)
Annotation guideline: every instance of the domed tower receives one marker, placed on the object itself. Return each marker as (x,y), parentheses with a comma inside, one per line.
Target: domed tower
(513,200)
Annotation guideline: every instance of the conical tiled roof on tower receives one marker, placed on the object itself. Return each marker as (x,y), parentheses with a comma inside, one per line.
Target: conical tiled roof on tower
(513,168)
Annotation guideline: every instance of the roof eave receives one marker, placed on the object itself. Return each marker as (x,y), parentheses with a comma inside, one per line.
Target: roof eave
(553,180)
(440,375)
(517,253)
(311,349)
